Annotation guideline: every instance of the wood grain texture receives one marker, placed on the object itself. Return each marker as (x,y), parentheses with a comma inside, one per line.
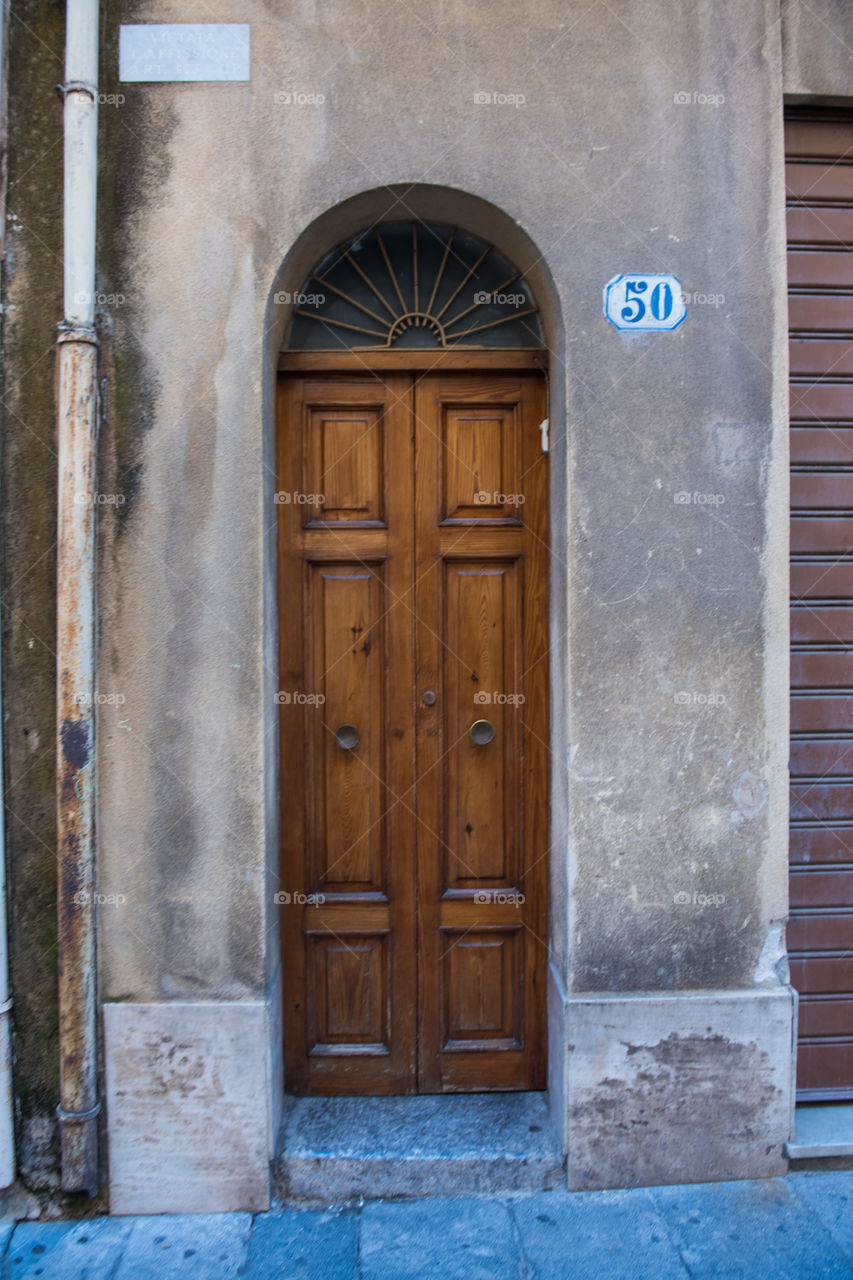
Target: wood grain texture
(410,359)
(347,819)
(414,866)
(482,834)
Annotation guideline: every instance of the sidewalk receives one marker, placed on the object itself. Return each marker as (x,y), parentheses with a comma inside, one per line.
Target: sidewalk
(798,1226)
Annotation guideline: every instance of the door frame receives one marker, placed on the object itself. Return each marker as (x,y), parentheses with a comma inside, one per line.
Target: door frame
(371,359)
(383,360)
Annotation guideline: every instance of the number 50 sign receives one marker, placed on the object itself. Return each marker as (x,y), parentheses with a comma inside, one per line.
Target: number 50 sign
(640,301)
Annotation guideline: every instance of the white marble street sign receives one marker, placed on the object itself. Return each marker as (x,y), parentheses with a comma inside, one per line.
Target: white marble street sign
(183,51)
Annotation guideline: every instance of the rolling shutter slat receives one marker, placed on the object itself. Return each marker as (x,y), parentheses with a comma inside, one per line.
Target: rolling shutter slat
(819,180)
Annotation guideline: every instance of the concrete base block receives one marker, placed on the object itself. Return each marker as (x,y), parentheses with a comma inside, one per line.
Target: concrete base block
(692,1087)
(557,1056)
(188,1106)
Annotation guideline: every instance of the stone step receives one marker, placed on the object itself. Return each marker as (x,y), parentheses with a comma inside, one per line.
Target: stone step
(335,1150)
(822,1132)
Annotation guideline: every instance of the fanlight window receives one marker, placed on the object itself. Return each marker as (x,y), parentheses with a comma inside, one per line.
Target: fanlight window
(409,284)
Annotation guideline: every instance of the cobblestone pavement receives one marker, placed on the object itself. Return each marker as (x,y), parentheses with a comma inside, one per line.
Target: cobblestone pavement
(798,1226)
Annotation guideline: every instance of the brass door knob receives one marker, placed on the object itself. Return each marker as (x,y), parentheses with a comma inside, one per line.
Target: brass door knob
(481,732)
(347,736)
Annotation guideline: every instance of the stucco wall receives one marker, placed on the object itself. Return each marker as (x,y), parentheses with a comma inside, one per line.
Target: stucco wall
(648,138)
(817,44)
(669,603)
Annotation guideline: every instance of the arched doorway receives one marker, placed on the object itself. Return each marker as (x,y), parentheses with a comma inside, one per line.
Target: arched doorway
(413,583)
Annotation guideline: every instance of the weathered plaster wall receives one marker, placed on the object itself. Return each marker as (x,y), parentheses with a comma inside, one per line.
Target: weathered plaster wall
(670,603)
(817,44)
(649,138)
(651,142)
(678,450)
(32,295)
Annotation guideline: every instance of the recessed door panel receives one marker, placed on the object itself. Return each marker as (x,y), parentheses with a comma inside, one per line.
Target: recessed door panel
(344,464)
(482,990)
(480,662)
(346,608)
(348,994)
(480,461)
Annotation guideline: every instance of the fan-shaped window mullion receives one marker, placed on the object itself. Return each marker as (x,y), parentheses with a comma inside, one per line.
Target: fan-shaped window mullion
(412,284)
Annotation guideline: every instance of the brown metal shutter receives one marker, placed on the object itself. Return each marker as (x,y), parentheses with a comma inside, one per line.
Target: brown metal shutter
(820,282)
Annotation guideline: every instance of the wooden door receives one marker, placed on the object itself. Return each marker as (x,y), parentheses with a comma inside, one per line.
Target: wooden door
(820,278)
(413,605)
(481,563)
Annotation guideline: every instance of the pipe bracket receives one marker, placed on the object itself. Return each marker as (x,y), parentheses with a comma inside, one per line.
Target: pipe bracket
(77,1117)
(77,333)
(77,86)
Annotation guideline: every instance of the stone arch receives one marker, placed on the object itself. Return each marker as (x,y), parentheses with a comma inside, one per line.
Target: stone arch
(446,206)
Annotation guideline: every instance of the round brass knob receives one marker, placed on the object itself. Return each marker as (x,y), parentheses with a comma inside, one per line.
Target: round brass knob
(347,736)
(481,732)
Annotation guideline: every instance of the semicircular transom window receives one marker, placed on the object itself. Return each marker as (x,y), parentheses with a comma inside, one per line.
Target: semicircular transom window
(412,284)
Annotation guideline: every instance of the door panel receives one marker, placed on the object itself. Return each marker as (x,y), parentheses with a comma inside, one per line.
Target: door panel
(481,979)
(346,602)
(480,461)
(481,788)
(347,992)
(414,860)
(344,463)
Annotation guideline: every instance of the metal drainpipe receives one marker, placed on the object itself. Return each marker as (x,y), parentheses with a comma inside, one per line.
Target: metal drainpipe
(7,1127)
(77,356)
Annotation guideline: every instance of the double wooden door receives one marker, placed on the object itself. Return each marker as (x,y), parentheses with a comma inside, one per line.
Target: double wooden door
(414,730)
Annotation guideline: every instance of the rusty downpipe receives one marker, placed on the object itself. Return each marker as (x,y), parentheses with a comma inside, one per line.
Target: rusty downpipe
(77,412)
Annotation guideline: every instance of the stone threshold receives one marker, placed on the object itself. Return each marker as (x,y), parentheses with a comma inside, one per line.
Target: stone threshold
(335,1150)
(821,1131)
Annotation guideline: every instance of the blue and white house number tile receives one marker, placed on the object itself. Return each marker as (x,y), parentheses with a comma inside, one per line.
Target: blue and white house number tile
(642,301)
